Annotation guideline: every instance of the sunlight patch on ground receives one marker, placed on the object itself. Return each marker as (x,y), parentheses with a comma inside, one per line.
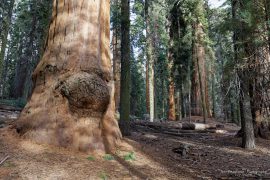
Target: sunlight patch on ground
(239,151)
(263,150)
(31,147)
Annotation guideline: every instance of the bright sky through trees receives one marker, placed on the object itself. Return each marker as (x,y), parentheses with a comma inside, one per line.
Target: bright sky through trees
(216,3)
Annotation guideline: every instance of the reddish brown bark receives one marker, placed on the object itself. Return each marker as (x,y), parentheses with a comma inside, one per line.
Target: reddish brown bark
(171,93)
(171,113)
(198,53)
(73,104)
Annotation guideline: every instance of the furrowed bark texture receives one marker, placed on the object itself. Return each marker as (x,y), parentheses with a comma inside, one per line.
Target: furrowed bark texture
(199,97)
(72,104)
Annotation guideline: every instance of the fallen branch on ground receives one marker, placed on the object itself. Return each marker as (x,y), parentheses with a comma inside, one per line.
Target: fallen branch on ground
(2,161)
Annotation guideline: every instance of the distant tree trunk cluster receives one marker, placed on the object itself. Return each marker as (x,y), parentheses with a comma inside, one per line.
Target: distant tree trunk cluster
(23,32)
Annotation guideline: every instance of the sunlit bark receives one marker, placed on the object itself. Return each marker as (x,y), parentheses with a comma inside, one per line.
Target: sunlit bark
(73,104)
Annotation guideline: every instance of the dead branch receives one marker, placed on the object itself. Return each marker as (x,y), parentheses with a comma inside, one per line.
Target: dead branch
(2,161)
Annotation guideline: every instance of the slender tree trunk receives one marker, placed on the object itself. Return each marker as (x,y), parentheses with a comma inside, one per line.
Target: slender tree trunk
(255,103)
(267,19)
(171,93)
(117,59)
(125,69)
(248,139)
(247,129)
(182,103)
(189,90)
(195,89)
(150,62)
(164,89)
(213,96)
(207,98)
(22,83)
(4,76)
(232,113)
(179,105)
(206,94)
(147,88)
(171,88)
(171,113)
(73,104)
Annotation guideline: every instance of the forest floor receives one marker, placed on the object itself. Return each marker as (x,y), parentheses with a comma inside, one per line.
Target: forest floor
(209,156)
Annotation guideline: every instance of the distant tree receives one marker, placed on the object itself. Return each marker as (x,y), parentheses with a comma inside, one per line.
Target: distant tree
(125,68)
(116,47)
(5,28)
(150,86)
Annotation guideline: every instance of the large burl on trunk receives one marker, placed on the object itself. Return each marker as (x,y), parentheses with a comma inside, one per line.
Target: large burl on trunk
(72,104)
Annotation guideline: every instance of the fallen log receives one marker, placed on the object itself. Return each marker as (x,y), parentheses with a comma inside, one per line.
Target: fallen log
(197,126)
(184,135)
(182,128)
(10,108)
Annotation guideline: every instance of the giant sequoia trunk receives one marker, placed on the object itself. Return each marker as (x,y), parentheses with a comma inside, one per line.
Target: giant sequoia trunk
(72,104)
(199,97)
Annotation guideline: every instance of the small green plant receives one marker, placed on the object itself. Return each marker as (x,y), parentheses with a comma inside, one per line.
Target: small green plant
(103,176)
(130,157)
(108,157)
(91,158)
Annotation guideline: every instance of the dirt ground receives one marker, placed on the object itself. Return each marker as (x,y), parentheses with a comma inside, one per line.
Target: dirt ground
(209,156)
(32,161)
